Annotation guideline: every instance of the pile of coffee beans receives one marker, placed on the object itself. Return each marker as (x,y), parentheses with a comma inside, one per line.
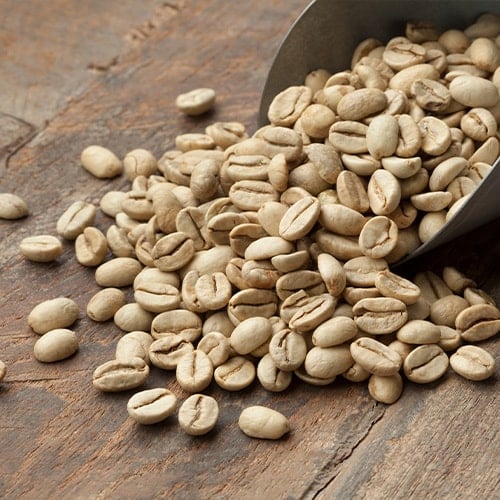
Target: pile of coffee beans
(268,256)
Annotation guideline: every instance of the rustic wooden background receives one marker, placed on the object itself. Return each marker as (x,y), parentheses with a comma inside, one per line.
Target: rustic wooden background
(78,73)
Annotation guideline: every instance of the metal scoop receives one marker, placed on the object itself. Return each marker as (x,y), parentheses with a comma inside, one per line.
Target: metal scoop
(325,36)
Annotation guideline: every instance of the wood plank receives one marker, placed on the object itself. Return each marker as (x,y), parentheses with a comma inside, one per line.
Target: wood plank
(62,438)
(52,50)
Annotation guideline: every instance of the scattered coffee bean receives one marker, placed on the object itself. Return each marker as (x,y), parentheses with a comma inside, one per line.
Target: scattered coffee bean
(263,423)
(473,362)
(42,248)
(56,345)
(151,406)
(198,414)
(52,314)
(196,102)
(12,207)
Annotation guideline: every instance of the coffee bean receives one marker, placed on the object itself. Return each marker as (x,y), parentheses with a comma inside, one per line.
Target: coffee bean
(56,345)
(3,370)
(117,273)
(386,389)
(194,371)
(196,101)
(75,219)
(103,305)
(166,351)
(42,248)
(425,364)
(115,375)
(250,334)
(91,247)
(151,406)
(12,207)
(380,315)
(263,423)
(271,377)
(134,344)
(53,314)
(375,357)
(478,322)
(198,414)
(101,162)
(473,363)
(235,374)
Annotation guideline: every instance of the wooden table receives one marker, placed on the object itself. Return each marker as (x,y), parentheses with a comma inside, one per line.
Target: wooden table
(108,73)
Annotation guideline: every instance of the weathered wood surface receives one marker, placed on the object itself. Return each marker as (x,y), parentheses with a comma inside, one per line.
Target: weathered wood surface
(60,438)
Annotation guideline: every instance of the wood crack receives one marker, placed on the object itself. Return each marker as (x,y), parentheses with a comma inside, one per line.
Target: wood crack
(341,454)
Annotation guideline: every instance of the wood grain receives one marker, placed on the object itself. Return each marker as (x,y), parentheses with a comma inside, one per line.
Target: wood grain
(61,438)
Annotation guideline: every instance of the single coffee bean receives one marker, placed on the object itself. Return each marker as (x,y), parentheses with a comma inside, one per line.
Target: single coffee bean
(3,370)
(334,331)
(213,291)
(386,389)
(196,101)
(384,192)
(157,297)
(473,363)
(352,192)
(235,374)
(91,247)
(362,271)
(118,272)
(184,323)
(132,317)
(115,375)
(12,207)
(111,202)
(378,237)
(478,322)
(313,313)
(356,373)
(52,314)
(56,345)
(288,105)
(119,243)
(103,305)
(380,315)
(250,334)
(419,331)
(194,371)
(299,219)
(216,346)
(375,357)
(341,219)
(173,251)
(425,364)
(42,248)
(139,162)
(474,91)
(382,136)
(152,405)
(251,195)
(328,362)
(166,351)
(134,344)
(252,302)
(456,280)
(361,103)
(288,350)
(263,423)
(444,311)
(75,219)
(450,339)
(198,414)
(271,377)
(391,285)
(436,135)
(101,162)
(445,172)
(332,273)
(477,296)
